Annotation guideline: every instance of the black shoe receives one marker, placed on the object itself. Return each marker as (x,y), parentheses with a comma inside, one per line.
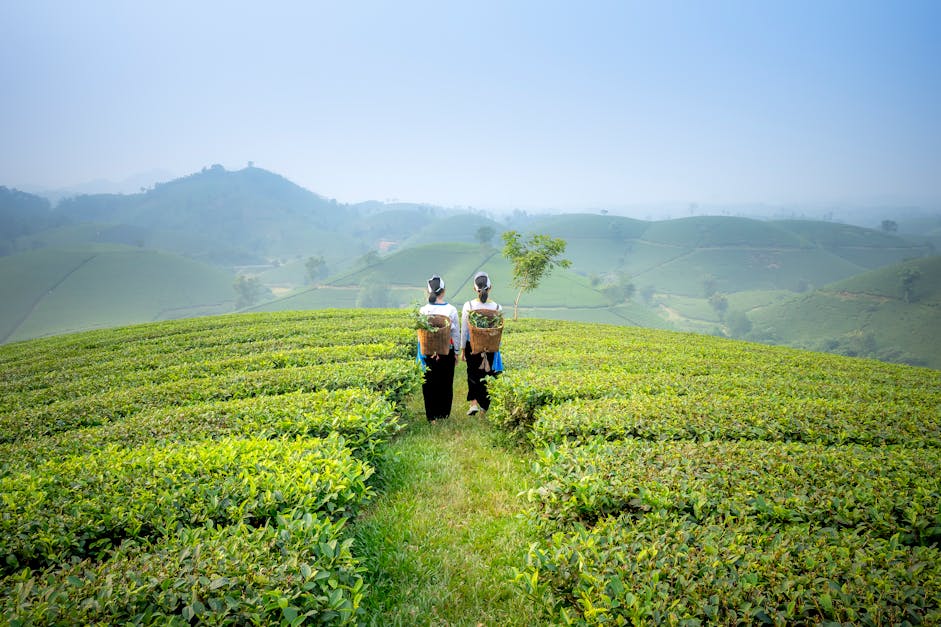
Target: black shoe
(473,410)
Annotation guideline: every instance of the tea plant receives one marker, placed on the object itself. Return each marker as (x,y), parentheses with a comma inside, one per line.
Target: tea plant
(690,480)
(195,471)
(491,320)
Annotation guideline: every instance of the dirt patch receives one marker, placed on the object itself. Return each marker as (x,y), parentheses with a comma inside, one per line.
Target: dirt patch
(672,314)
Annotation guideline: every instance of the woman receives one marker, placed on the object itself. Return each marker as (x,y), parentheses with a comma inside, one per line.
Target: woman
(438,386)
(481,365)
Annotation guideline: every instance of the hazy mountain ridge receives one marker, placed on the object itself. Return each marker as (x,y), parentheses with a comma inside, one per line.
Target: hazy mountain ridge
(708,274)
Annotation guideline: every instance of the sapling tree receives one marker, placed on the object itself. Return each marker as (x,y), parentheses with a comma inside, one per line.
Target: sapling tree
(485,235)
(532,260)
(316,268)
(909,276)
(249,291)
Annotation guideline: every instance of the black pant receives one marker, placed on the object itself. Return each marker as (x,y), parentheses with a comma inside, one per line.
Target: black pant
(476,377)
(438,387)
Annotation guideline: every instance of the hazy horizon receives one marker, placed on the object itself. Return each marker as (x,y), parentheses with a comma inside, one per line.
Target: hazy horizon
(493,106)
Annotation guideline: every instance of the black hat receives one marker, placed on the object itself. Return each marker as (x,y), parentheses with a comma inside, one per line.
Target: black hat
(435,284)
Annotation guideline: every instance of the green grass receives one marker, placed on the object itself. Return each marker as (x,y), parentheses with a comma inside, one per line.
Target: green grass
(440,542)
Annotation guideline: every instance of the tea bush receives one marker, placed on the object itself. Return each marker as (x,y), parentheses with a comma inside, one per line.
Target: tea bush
(687,480)
(196,471)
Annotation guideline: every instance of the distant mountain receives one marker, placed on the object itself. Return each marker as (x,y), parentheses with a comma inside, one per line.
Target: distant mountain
(220,216)
(21,214)
(130,185)
(708,274)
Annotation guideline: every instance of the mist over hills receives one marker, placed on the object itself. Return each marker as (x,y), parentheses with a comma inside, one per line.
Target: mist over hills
(100,259)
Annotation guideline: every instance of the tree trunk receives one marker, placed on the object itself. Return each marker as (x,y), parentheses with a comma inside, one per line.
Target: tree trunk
(516,304)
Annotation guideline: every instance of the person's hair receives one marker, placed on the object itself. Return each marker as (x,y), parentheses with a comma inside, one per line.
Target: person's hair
(435,287)
(480,284)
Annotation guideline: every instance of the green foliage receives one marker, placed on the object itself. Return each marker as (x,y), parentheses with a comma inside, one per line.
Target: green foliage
(532,260)
(316,268)
(738,323)
(909,276)
(667,570)
(296,568)
(839,316)
(685,479)
(420,322)
(485,234)
(620,289)
(719,302)
(225,216)
(889,226)
(84,506)
(769,482)
(484,321)
(249,291)
(364,418)
(22,214)
(373,294)
(395,377)
(195,471)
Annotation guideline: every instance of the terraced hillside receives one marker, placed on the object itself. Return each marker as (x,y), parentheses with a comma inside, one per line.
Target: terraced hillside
(690,480)
(62,290)
(198,471)
(214,470)
(892,313)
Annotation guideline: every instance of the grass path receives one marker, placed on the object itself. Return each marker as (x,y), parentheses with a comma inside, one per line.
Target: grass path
(440,541)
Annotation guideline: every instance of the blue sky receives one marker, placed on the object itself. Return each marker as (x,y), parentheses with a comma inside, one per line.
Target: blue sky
(496,105)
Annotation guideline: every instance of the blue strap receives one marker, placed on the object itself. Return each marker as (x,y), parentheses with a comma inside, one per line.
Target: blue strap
(419,357)
(497,365)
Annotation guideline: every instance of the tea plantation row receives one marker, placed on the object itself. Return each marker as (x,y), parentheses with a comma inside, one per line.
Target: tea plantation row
(686,479)
(195,471)
(208,470)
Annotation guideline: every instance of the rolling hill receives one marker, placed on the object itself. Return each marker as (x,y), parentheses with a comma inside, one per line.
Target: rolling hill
(870,315)
(737,254)
(401,276)
(700,273)
(52,291)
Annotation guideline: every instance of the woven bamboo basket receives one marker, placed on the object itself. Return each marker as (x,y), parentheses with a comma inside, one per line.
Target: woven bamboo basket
(484,340)
(436,342)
